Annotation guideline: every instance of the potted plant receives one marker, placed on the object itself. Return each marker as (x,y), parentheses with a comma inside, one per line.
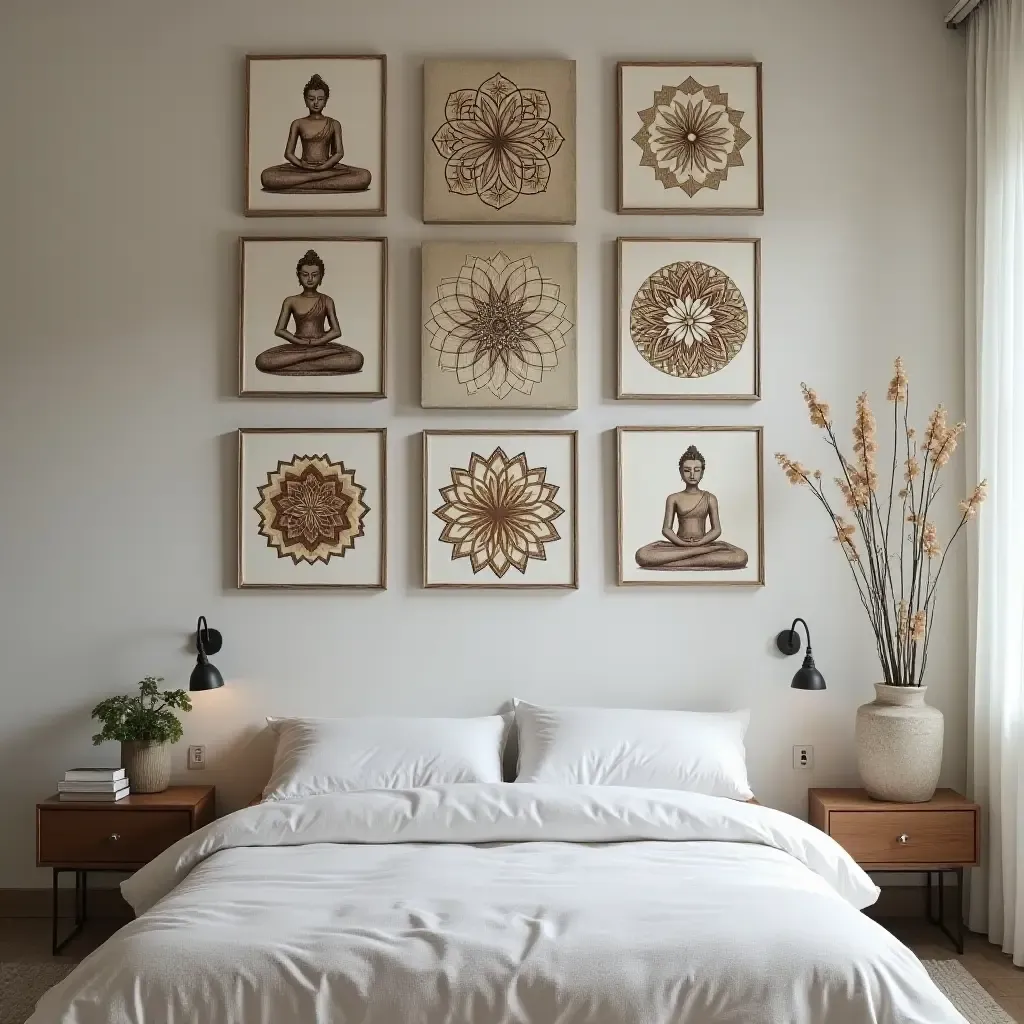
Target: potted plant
(146,726)
(896,559)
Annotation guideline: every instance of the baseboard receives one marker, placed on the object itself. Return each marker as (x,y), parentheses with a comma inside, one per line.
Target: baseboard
(37,903)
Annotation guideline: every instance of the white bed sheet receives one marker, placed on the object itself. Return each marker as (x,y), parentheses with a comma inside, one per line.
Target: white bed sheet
(501,904)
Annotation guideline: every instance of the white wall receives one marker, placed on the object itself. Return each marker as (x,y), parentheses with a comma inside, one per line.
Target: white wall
(121,183)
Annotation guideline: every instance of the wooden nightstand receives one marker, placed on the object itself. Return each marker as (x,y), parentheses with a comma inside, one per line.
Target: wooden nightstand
(122,836)
(934,837)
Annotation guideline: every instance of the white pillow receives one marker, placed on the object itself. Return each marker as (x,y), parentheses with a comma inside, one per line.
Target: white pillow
(697,751)
(324,755)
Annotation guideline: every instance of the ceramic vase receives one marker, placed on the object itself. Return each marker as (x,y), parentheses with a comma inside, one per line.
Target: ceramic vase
(148,765)
(899,745)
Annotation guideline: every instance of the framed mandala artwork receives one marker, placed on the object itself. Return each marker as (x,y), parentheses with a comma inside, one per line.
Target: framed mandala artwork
(315,135)
(499,326)
(689,319)
(312,317)
(691,506)
(499,509)
(690,137)
(499,141)
(312,508)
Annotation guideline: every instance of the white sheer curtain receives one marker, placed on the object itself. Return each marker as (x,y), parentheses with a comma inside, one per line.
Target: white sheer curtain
(995,375)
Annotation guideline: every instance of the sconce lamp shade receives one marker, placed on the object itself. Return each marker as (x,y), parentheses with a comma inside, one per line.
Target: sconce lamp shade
(807,676)
(206,676)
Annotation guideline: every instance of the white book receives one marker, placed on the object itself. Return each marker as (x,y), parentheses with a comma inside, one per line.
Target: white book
(92,787)
(94,774)
(95,797)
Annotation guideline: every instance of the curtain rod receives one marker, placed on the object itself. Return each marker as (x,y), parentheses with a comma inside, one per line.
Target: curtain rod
(961,11)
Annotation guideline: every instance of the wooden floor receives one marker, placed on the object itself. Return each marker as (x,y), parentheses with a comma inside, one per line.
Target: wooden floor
(24,940)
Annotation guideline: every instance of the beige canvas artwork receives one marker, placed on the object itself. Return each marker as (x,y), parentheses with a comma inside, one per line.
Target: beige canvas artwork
(499,326)
(499,141)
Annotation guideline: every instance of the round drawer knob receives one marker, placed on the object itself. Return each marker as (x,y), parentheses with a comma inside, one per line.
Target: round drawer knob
(904,839)
(114,836)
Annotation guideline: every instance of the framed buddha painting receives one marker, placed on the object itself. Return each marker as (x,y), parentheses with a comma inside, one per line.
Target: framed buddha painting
(499,326)
(312,317)
(499,509)
(690,137)
(690,506)
(689,319)
(312,508)
(315,131)
(499,141)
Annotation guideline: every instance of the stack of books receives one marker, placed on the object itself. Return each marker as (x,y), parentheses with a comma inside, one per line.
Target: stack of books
(91,784)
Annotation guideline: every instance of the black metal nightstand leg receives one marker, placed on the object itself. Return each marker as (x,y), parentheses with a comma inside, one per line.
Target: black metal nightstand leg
(81,885)
(939,919)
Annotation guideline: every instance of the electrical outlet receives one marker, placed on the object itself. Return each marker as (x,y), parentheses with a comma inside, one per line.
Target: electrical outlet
(803,758)
(197,757)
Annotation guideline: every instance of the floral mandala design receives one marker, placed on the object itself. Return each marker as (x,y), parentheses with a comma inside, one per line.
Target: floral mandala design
(688,319)
(498,325)
(691,136)
(311,509)
(499,513)
(498,141)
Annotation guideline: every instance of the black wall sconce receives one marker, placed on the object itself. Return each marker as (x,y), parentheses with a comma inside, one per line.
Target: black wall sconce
(208,641)
(807,676)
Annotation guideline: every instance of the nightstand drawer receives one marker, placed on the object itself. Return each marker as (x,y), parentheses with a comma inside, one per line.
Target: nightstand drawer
(99,837)
(929,837)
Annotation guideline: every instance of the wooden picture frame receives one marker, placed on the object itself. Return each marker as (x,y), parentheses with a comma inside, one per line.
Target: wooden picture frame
(275,189)
(645,560)
(354,301)
(717,358)
(672,183)
(279,468)
(461,555)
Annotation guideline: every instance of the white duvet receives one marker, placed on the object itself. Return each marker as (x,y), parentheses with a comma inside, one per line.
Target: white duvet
(494,904)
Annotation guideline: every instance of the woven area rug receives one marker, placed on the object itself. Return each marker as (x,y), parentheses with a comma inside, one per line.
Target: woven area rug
(965,992)
(22,984)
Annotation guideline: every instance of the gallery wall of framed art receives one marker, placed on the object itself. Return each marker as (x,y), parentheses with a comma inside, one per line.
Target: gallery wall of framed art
(499,324)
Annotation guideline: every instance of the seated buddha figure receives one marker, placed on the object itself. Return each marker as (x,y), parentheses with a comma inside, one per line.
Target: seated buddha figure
(691,527)
(311,349)
(319,168)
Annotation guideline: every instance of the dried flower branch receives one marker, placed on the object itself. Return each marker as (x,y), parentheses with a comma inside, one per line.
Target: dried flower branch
(896,570)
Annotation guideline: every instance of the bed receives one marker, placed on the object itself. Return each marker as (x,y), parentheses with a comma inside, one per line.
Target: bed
(494,903)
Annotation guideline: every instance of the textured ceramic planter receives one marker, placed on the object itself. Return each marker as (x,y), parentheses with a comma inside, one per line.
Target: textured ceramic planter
(148,765)
(899,744)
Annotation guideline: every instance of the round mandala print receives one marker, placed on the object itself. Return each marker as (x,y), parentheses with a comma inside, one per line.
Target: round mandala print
(688,319)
